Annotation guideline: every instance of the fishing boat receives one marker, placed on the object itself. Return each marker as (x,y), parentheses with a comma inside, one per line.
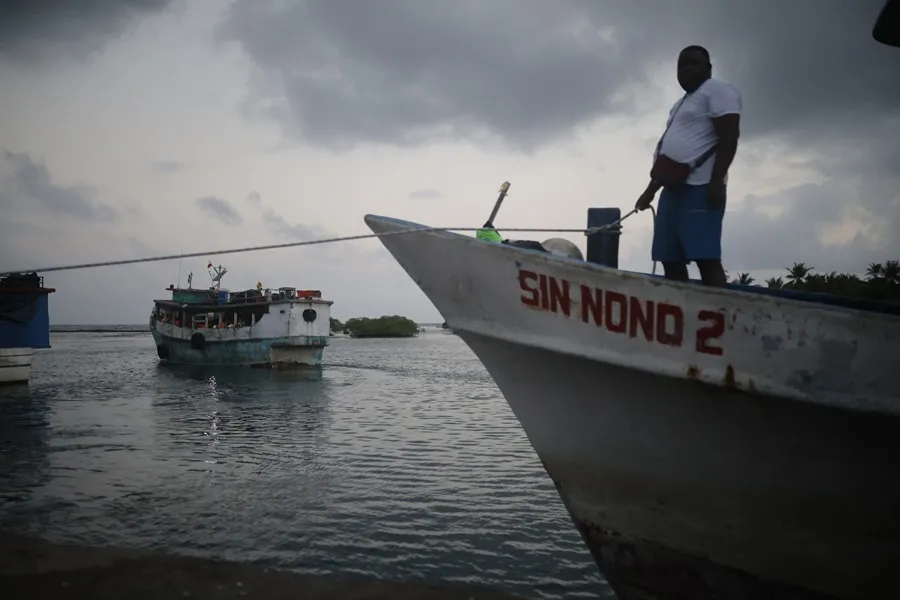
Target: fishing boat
(737,442)
(24,324)
(257,327)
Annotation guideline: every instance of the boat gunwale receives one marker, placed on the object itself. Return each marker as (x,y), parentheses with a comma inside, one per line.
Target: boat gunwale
(274,341)
(230,306)
(887,311)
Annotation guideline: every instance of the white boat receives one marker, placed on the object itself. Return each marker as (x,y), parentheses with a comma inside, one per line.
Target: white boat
(255,328)
(24,324)
(15,365)
(708,443)
(702,439)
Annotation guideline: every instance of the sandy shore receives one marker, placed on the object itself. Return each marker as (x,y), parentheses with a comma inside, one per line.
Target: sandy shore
(32,568)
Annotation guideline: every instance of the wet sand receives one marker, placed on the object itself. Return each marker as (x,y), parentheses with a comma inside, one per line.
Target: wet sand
(33,568)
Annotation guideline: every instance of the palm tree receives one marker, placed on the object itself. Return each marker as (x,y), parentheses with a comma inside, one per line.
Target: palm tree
(797,274)
(744,279)
(891,271)
(775,282)
(874,271)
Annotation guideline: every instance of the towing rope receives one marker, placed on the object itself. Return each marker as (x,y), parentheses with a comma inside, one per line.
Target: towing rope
(612,229)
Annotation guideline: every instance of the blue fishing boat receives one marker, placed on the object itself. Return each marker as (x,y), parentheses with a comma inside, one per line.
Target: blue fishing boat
(24,324)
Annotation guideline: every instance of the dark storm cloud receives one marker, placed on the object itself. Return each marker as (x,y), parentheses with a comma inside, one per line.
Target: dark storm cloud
(34,31)
(28,183)
(220,209)
(401,71)
(407,71)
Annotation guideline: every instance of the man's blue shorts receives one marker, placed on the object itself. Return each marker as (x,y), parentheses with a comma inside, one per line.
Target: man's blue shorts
(686,229)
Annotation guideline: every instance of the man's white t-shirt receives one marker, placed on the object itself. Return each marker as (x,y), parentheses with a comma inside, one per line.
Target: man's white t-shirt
(692,132)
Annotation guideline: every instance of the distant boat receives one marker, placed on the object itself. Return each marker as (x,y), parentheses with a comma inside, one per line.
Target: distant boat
(24,324)
(254,327)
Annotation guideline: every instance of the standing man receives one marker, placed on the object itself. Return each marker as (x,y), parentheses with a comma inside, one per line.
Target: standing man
(691,166)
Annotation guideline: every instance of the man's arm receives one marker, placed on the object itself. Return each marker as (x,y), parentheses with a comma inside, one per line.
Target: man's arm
(652,188)
(725,105)
(728,130)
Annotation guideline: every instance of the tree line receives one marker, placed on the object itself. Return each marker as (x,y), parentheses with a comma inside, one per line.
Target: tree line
(881,281)
(384,326)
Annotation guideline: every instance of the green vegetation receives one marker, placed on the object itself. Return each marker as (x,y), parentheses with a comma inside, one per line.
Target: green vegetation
(881,281)
(334,325)
(384,326)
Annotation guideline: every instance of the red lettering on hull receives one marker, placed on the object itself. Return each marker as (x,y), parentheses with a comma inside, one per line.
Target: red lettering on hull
(545,292)
(656,322)
(715,326)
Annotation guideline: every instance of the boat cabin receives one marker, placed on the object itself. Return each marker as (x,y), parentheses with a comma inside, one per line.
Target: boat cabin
(220,308)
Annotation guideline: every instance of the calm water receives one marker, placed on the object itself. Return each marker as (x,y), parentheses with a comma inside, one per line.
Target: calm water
(399,460)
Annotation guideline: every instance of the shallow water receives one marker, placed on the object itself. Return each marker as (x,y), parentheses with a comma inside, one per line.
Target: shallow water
(399,459)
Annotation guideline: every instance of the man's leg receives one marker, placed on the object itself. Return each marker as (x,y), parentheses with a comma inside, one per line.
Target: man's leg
(667,247)
(712,272)
(677,271)
(701,234)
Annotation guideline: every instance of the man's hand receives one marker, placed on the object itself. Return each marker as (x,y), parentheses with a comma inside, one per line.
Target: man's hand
(645,200)
(715,194)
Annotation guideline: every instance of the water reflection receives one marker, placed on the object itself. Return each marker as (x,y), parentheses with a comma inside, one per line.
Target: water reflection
(397,459)
(240,422)
(240,374)
(24,449)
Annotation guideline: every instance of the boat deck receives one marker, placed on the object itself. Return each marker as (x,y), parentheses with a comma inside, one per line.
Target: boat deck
(33,568)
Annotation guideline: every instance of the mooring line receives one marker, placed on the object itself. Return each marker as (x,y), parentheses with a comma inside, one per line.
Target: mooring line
(347,238)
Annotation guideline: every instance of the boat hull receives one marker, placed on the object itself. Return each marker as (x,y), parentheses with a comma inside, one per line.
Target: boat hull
(707,443)
(281,352)
(15,366)
(681,490)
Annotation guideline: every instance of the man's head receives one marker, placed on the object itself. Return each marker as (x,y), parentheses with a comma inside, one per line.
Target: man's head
(694,67)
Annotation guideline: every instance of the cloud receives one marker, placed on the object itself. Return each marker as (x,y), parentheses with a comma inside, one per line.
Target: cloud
(408,72)
(812,223)
(220,209)
(278,225)
(528,73)
(37,31)
(426,194)
(548,93)
(169,167)
(29,182)
(822,224)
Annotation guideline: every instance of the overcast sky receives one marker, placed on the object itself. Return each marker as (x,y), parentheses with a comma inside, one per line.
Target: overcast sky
(163,126)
